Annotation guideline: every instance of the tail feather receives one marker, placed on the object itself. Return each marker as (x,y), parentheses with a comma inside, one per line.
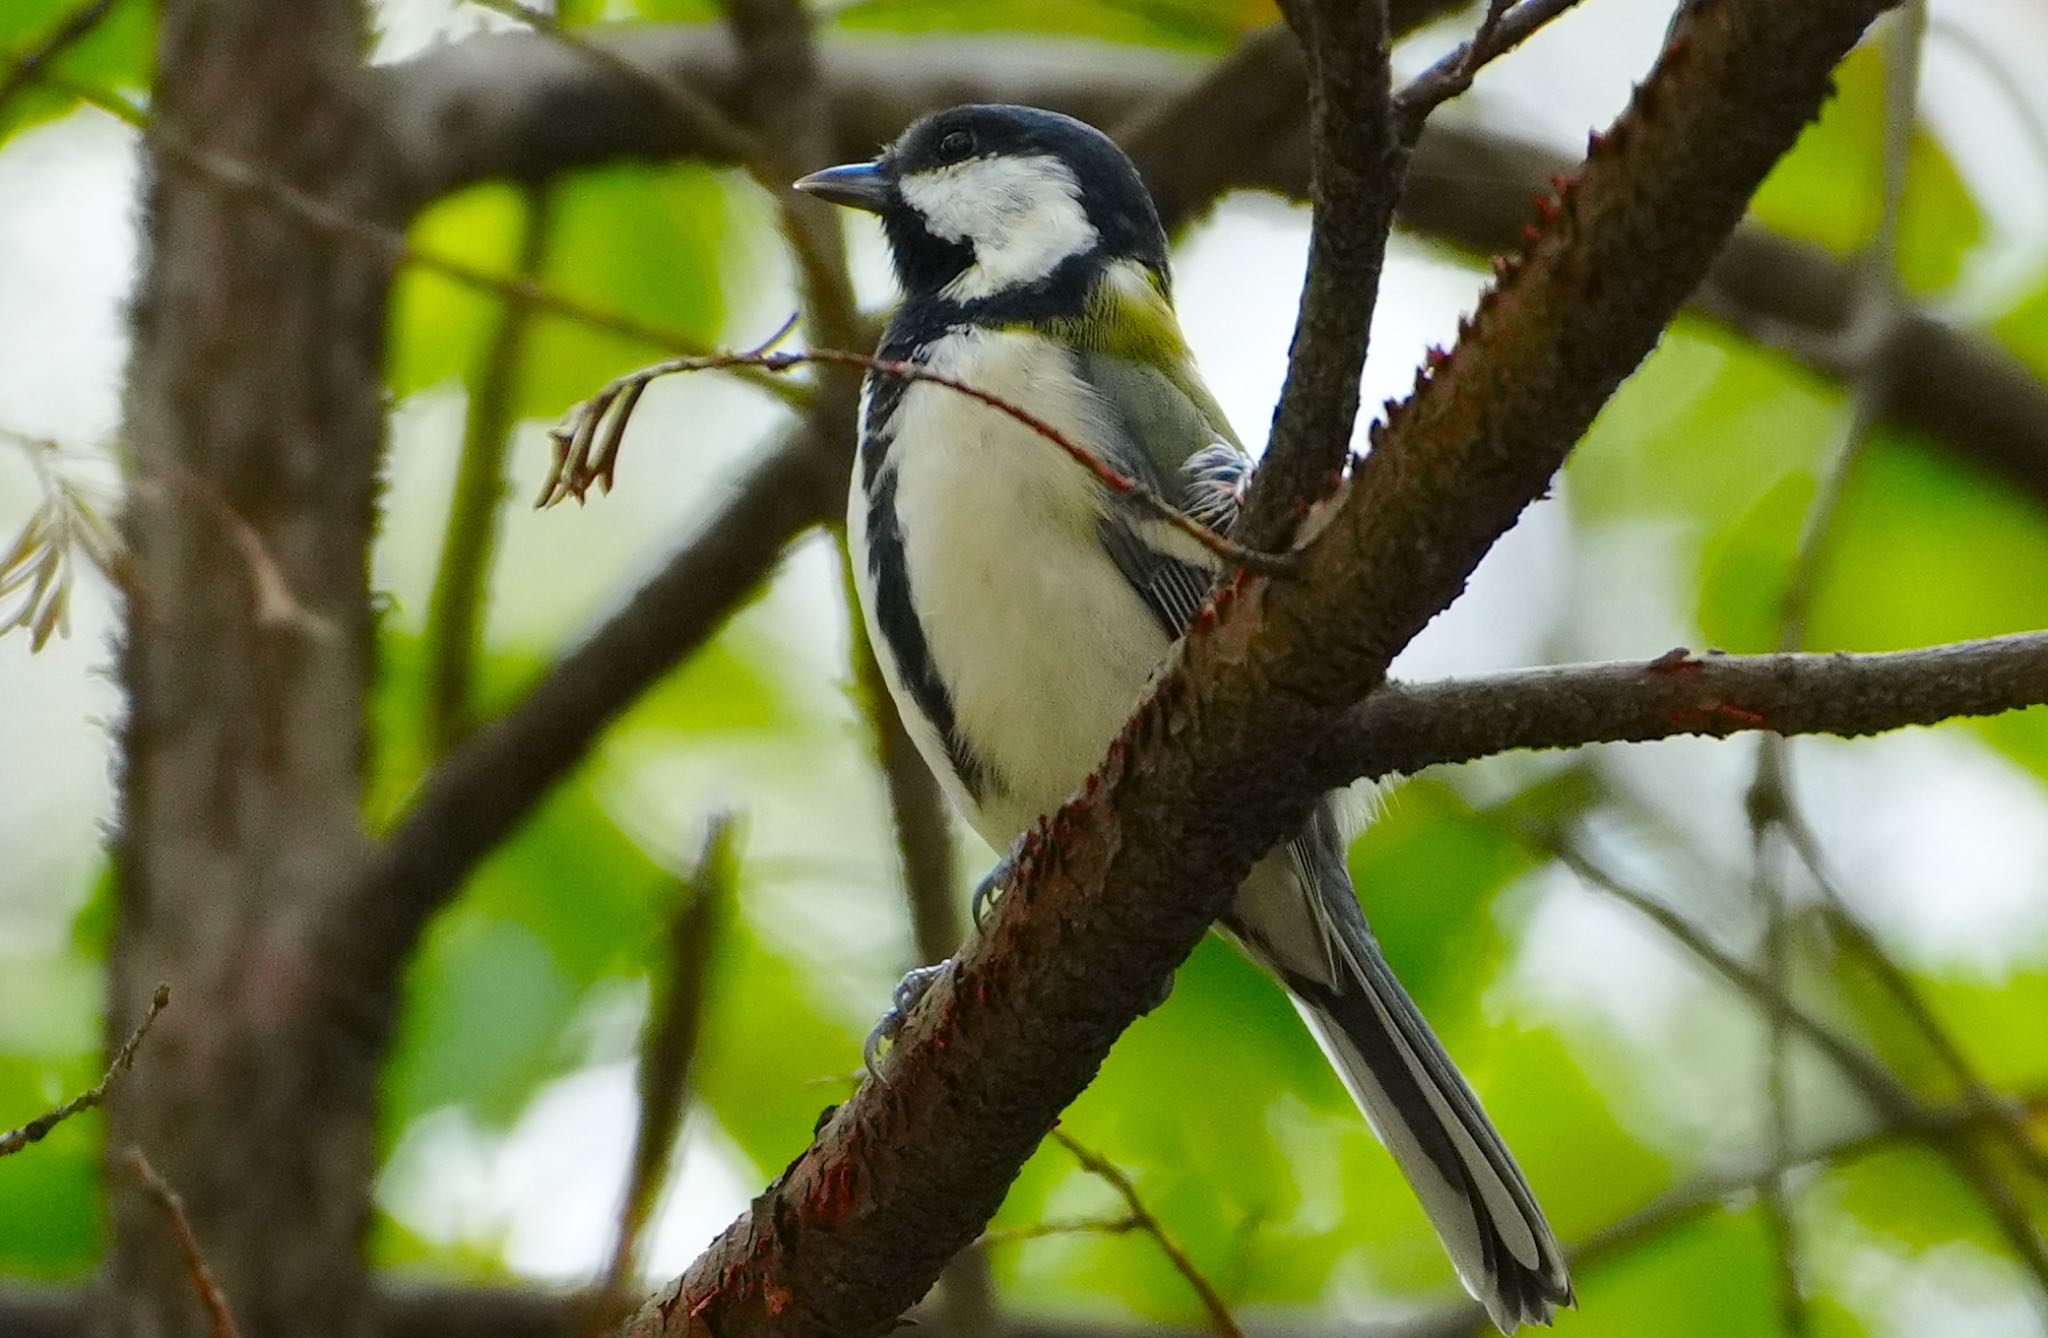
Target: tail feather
(1412,1095)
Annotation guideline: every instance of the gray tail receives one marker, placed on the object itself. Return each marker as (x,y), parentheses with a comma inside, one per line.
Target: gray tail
(1308,929)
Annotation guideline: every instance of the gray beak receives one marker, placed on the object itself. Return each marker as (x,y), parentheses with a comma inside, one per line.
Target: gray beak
(855,185)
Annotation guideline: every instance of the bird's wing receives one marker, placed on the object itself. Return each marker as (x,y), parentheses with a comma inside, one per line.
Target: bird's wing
(1156,433)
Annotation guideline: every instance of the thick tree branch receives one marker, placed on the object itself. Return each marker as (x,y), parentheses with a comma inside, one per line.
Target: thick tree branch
(1116,889)
(499,106)
(1404,727)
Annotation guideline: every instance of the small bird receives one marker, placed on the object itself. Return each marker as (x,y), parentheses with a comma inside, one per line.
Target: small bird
(1019,608)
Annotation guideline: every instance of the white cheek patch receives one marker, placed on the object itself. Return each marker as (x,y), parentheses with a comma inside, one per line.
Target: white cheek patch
(1022,216)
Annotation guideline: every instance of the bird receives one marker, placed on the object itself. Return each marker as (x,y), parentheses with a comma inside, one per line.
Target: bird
(1019,607)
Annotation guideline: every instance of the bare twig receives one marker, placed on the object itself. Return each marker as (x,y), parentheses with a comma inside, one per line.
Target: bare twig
(1073,1226)
(2010,1122)
(1503,29)
(203,1281)
(674,1019)
(1654,1221)
(271,594)
(236,175)
(39,1128)
(587,447)
(68,32)
(1110,1173)
(1769,885)
(1770,799)
(1893,1100)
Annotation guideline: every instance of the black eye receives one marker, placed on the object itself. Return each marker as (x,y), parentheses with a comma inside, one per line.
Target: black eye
(956,146)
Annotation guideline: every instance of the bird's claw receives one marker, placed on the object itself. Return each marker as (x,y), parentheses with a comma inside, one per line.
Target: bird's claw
(909,991)
(985,891)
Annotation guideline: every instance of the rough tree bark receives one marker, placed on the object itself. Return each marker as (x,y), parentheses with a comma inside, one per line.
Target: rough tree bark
(253,421)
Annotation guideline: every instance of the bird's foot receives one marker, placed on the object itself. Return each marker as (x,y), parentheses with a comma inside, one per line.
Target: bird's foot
(985,891)
(909,991)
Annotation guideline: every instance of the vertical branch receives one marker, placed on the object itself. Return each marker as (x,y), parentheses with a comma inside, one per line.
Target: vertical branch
(258,343)
(1770,803)
(675,1018)
(1769,885)
(456,614)
(1356,164)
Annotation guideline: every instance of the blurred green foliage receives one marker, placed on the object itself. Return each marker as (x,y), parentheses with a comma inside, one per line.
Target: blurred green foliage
(1217,1104)
(116,54)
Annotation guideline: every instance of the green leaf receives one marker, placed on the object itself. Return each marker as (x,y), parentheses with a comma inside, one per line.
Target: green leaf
(2024,329)
(773,1054)
(49,1194)
(1427,872)
(638,242)
(1912,1195)
(1710,1277)
(1706,428)
(116,55)
(1203,25)
(486,1005)
(1746,570)
(1927,550)
(1830,188)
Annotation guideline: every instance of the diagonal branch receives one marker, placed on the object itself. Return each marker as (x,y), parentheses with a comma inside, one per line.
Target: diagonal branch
(1115,890)
(73,28)
(37,1129)
(489,783)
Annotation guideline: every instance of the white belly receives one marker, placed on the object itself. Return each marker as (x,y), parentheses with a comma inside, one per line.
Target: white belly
(1043,644)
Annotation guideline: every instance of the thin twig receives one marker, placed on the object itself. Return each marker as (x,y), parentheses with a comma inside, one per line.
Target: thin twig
(2010,1122)
(1894,1101)
(675,1019)
(236,175)
(39,1128)
(1769,884)
(820,261)
(1654,1221)
(1073,1226)
(269,592)
(1770,800)
(1501,31)
(587,446)
(1404,727)
(719,133)
(203,1280)
(68,32)
(1111,1174)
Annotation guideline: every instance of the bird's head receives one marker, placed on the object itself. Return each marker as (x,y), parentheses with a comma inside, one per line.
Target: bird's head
(988,202)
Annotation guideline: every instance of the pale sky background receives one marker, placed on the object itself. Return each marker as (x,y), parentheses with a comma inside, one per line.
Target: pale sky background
(67,256)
